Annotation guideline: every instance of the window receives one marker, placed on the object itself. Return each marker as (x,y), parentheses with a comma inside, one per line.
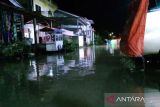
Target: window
(53,37)
(49,13)
(56,37)
(61,38)
(38,8)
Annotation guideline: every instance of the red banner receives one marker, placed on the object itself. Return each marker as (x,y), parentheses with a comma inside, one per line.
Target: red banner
(132,41)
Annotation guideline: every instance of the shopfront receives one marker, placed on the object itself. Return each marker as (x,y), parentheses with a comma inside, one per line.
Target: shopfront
(11,23)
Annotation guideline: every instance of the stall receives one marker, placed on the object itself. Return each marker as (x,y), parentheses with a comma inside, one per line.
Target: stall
(52,38)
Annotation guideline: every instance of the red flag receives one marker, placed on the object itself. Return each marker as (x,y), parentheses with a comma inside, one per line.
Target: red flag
(132,41)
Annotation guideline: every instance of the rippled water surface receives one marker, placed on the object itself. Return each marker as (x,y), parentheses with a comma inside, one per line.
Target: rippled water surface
(77,79)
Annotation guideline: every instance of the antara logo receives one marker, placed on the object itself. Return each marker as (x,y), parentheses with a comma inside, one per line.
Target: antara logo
(130,99)
(113,99)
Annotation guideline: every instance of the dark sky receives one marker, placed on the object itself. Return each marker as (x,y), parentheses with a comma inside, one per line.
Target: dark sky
(108,15)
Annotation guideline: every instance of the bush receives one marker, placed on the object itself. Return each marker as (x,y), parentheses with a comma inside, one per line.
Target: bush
(98,40)
(13,49)
(128,63)
(70,45)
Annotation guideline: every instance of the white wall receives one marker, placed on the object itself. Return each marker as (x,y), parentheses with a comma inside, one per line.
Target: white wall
(152,33)
(89,33)
(45,6)
(30,26)
(81,40)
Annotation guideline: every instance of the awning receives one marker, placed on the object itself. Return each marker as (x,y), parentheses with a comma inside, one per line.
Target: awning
(7,5)
(15,3)
(57,31)
(38,21)
(12,3)
(47,29)
(67,32)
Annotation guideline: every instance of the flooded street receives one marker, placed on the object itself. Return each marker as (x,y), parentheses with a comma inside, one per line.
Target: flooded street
(77,79)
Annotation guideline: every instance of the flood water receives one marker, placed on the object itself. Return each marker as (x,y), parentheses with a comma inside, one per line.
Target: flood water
(77,79)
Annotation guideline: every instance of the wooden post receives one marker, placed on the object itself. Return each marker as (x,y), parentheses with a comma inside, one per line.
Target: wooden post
(34,26)
(35,32)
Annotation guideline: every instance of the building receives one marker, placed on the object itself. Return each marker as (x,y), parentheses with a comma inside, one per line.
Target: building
(45,7)
(41,31)
(41,7)
(11,22)
(81,27)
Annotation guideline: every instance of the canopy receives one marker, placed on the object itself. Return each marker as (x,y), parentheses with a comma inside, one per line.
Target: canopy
(47,29)
(12,3)
(15,3)
(67,32)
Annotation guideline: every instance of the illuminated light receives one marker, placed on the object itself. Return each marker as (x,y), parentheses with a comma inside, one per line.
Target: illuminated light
(152,33)
(147,61)
(113,43)
(51,73)
(81,41)
(81,53)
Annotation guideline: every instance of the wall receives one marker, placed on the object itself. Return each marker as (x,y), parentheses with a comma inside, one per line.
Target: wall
(45,6)
(30,34)
(152,33)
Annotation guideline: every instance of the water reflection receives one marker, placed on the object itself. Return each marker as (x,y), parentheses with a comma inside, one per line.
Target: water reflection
(142,82)
(152,97)
(112,45)
(56,65)
(152,90)
(77,79)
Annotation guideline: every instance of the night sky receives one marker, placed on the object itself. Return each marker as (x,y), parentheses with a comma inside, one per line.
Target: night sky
(108,15)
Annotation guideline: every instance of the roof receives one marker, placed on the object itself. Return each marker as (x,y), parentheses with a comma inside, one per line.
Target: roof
(8,5)
(47,29)
(66,13)
(12,3)
(15,3)
(66,16)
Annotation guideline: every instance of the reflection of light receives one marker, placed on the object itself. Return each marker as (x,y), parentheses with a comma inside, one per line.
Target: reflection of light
(50,73)
(111,50)
(107,47)
(152,33)
(85,73)
(89,52)
(81,53)
(26,35)
(33,64)
(152,97)
(113,43)
(71,63)
(58,59)
(33,70)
